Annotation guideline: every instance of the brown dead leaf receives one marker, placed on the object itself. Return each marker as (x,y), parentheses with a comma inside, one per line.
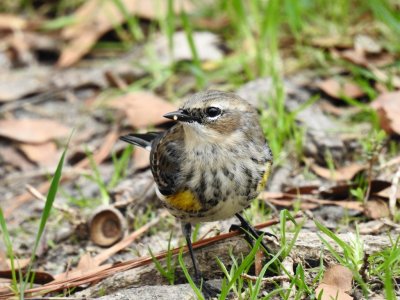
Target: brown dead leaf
(13,157)
(291,202)
(388,107)
(96,17)
(341,174)
(32,130)
(338,89)
(342,191)
(338,276)
(329,292)
(307,202)
(143,108)
(39,278)
(86,262)
(386,193)
(376,209)
(355,57)
(12,22)
(21,82)
(45,154)
(141,158)
(336,282)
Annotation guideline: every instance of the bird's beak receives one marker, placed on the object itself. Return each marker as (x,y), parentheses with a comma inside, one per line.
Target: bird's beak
(180,115)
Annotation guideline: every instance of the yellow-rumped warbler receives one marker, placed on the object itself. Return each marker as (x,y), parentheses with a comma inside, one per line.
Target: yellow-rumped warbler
(211,164)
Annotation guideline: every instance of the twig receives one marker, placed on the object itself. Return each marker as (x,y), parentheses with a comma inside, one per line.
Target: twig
(38,195)
(266,280)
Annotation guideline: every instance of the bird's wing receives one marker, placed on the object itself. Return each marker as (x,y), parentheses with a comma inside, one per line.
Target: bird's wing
(166,157)
(143,140)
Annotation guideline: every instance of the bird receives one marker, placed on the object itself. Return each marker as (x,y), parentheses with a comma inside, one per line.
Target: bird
(210,165)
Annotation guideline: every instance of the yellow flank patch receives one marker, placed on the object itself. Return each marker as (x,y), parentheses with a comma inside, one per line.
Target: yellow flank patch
(184,200)
(264,179)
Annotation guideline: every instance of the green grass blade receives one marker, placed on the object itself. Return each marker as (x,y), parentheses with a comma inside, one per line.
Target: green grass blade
(189,278)
(262,273)
(9,247)
(51,195)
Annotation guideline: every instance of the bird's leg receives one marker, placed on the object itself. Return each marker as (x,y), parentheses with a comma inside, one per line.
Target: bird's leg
(187,232)
(251,233)
(207,290)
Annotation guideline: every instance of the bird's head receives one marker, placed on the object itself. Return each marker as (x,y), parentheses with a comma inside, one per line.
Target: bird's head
(214,114)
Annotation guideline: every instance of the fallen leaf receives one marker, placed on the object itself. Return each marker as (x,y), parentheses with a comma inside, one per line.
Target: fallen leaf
(365,44)
(372,227)
(336,282)
(305,189)
(86,262)
(12,22)
(32,130)
(45,154)
(96,17)
(329,292)
(342,191)
(11,156)
(39,278)
(376,209)
(338,89)
(388,107)
(291,203)
(341,174)
(338,276)
(142,109)
(386,193)
(141,158)
(18,83)
(355,57)
(307,202)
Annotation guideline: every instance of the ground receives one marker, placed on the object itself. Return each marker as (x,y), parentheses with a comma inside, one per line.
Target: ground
(75,75)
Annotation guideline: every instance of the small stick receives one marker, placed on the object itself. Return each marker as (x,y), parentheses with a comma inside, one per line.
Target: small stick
(266,280)
(38,195)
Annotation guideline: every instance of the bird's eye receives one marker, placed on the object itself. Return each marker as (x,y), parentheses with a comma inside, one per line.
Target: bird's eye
(213,111)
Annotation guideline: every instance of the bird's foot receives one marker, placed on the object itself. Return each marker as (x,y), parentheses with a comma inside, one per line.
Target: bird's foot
(245,231)
(251,234)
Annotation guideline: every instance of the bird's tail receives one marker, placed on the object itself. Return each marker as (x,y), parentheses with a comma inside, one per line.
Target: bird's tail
(143,140)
